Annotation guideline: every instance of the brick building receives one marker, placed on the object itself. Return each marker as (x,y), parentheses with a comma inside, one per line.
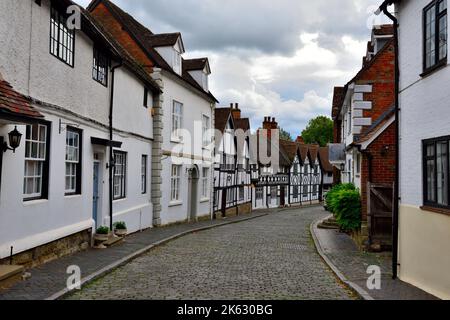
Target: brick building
(363,115)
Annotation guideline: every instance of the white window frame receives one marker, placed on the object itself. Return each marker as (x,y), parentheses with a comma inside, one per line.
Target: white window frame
(35,159)
(206,130)
(177,120)
(120,175)
(175,181)
(72,161)
(205,185)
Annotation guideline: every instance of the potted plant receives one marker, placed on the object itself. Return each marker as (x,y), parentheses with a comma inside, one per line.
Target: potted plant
(101,234)
(120,229)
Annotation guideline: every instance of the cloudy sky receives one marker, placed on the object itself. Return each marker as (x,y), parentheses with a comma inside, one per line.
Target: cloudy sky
(279,58)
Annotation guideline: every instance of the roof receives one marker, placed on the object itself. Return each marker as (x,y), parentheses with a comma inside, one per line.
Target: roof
(163,39)
(195,64)
(284,150)
(124,55)
(221,118)
(324,154)
(15,104)
(338,99)
(384,30)
(313,152)
(376,129)
(242,123)
(290,149)
(147,39)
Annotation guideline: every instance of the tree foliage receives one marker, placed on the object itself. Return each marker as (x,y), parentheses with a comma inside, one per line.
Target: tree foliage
(319,130)
(284,135)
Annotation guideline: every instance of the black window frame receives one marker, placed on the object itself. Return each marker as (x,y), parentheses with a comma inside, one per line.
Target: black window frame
(123,195)
(425,159)
(56,14)
(100,56)
(438,15)
(79,173)
(145,97)
(46,165)
(144,174)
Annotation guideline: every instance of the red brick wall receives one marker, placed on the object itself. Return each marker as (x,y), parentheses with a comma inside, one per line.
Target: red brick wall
(383,164)
(108,21)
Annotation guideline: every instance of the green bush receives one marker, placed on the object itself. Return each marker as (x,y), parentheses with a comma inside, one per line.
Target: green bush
(347,205)
(102,230)
(120,225)
(330,198)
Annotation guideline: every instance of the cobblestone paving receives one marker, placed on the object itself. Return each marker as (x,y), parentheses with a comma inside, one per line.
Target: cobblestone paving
(267,258)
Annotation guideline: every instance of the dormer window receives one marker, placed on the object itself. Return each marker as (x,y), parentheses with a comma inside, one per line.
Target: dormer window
(177,62)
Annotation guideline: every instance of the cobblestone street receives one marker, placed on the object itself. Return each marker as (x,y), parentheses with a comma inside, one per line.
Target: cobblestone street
(272,257)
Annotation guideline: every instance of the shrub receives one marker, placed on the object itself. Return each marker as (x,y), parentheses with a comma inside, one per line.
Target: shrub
(347,204)
(330,198)
(120,225)
(102,230)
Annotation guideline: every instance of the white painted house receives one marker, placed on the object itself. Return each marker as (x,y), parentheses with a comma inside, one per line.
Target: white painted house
(183,149)
(55,187)
(424,217)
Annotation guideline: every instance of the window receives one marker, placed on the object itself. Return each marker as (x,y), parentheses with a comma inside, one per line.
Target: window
(177,119)
(259,193)
(436,172)
(358,163)
(435,34)
(349,123)
(241,193)
(35,185)
(295,192)
(205,189)
(120,175)
(231,195)
(228,162)
(100,67)
(176,61)
(175,183)
(62,39)
(73,161)
(206,131)
(146,97)
(273,192)
(144,170)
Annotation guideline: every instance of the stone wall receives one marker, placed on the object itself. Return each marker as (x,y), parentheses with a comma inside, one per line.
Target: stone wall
(52,251)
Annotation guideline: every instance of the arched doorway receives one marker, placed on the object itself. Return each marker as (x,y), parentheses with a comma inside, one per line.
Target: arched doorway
(193,193)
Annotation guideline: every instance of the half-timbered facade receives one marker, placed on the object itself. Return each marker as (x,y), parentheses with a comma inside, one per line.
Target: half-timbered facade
(232,184)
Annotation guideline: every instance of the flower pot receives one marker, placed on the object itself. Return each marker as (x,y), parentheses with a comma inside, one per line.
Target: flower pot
(101,237)
(121,232)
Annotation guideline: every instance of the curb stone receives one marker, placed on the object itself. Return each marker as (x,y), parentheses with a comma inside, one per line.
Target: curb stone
(360,291)
(111,267)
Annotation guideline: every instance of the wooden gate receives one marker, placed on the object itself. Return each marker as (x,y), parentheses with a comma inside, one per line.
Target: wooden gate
(380,206)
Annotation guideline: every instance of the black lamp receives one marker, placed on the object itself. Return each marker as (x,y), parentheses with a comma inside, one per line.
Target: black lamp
(14,141)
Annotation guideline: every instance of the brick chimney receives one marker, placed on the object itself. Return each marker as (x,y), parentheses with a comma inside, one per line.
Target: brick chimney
(236,111)
(300,140)
(270,124)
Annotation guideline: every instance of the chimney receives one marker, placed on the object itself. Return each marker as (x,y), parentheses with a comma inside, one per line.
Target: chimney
(236,111)
(300,140)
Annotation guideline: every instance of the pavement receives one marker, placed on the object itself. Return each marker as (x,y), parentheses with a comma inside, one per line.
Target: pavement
(49,281)
(351,265)
(272,257)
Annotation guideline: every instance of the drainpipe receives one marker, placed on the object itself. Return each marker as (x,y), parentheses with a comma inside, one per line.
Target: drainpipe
(395,217)
(111,154)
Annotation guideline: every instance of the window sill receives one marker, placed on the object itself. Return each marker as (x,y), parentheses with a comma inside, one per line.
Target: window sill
(434,69)
(72,195)
(29,203)
(444,211)
(175,204)
(176,140)
(119,200)
(203,200)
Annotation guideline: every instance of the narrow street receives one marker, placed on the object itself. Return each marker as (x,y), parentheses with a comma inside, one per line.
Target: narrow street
(272,257)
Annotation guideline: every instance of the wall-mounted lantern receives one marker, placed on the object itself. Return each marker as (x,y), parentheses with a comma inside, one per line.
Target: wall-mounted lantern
(14,141)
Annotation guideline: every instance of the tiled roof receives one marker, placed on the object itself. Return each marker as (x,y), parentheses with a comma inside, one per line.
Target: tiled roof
(146,40)
(338,97)
(221,117)
(195,64)
(163,39)
(384,30)
(313,151)
(324,160)
(14,103)
(290,149)
(242,123)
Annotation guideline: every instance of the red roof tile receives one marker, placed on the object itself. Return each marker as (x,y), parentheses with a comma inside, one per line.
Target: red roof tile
(14,103)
